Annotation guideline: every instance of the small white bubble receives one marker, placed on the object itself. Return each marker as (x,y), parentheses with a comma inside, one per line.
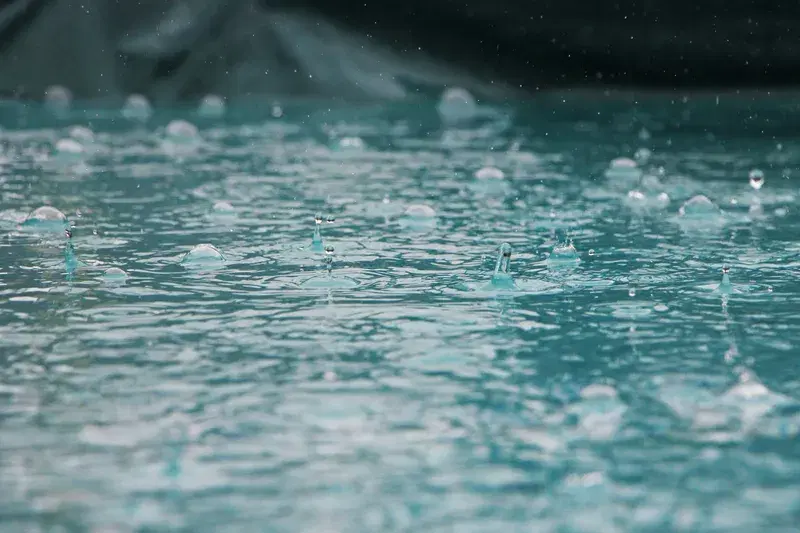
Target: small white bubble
(137,108)
(456,105)
(212,106)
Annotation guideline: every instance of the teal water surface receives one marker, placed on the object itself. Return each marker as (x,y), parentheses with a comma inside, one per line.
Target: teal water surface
(354,351)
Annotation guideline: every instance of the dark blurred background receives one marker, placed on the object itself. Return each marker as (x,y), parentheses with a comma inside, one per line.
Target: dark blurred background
(175,50)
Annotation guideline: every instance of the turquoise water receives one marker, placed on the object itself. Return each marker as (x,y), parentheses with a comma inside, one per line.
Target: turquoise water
(397,372)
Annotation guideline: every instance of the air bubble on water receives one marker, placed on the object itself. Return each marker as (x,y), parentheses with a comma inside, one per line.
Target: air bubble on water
(223,207)
(81,134)
(212,106)
(115,276)
(418,216)
(624,170)
(69,148)
(203,254)
(456,105)
(636,197)
(137,108)
(756,178)
(351,143)
(181,131)
(489,173)
(699,206)
(642,156)
(46,218)
(58,100)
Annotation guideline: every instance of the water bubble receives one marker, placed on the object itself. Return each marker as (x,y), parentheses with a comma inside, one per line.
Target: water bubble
(58,100)
(756,178)
(212,106)
(223,207)
(203,254)
(456,105)
(419,216)
(115,276)
(351,143)
(69,148)
(623,170)
(698,207)
(489,173)
(46,218)
(277,111)
(642,156)
(137,108)
(81,134)
(181,131)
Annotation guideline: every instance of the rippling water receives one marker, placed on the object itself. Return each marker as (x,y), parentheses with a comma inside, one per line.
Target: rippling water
(621,390)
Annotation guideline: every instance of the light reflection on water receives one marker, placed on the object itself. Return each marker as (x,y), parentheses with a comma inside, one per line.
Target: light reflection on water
(621,392)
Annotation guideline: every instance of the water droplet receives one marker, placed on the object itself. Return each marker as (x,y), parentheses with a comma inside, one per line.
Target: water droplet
(769,289)
(318,219)
(456,105)
(137,108)
(58,100)
(46,218)
(203,254)
(644,135)
(330,219)
(591,251)
(756,178)
(328,249)
(212,106)
(632,292)
(277,111)
(115,276)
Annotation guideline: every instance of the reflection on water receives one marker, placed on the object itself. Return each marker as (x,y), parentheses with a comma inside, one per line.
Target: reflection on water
(193,358)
